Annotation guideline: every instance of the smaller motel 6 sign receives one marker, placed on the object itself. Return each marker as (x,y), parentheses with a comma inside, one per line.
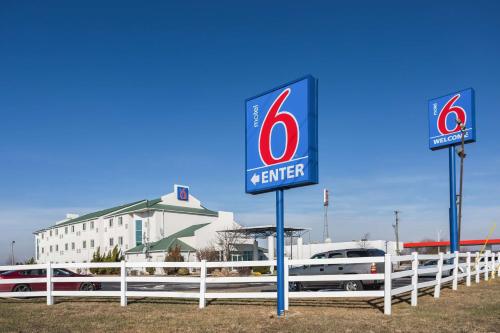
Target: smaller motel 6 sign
(444,131)
(282,137)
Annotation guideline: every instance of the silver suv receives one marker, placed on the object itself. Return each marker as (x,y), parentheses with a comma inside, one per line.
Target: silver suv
(351,285)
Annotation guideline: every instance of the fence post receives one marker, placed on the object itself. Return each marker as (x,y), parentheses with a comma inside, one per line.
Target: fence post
(486,270)
(439,275)
(287,284)
(478,263)
(123,284)
(414,279)
(493,270)
(387,284)
(467,281)
(498,264)
(455,271)
(203,283)
(50,298)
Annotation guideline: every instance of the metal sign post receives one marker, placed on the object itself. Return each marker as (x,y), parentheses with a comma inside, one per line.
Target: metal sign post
(280,250)
(452,121)
(453,202)
(281,136)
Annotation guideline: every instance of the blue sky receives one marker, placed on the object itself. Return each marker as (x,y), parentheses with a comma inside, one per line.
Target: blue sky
(103,103)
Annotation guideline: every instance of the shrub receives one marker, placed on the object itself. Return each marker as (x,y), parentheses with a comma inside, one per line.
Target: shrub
(183,271)
(208,254)
(173,255)
(244,271)
(150,270)
(261,269)
(114,255)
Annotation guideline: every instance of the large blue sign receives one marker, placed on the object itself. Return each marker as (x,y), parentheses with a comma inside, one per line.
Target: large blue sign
(282,137)
(444,129)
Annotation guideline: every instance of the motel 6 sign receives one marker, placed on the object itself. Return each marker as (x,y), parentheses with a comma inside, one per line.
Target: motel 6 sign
(282,137)
(444,131)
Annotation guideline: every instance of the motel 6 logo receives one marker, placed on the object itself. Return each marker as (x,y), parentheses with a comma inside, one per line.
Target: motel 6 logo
(281,137)
(445,115)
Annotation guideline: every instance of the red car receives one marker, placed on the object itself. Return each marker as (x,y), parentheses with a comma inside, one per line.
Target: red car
(42,286)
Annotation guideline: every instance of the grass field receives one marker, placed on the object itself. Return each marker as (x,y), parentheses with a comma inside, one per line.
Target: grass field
(473,309)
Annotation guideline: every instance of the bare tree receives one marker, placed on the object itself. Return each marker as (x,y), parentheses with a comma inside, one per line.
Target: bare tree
(227,239)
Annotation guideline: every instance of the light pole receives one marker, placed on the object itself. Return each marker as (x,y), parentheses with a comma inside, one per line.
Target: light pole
(462,155)
(12,251)
(396,230)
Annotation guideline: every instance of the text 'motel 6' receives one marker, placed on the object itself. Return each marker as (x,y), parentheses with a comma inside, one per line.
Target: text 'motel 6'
(444,131)
(282,137)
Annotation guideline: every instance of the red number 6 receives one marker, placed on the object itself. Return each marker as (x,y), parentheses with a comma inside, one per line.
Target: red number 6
(443,115)
(274,117)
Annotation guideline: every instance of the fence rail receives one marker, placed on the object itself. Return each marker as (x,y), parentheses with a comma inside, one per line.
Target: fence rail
(450,267)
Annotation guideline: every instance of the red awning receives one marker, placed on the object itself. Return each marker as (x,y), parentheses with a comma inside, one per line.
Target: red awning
(469,242)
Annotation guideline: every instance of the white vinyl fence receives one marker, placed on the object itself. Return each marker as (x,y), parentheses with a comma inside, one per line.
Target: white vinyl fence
(466,266)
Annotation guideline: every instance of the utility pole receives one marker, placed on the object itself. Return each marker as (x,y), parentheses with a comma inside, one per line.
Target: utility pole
(462,155)
(396,230)
(12,252)
(326,234)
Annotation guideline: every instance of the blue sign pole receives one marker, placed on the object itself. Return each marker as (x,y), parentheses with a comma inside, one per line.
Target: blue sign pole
(453,202)
(280,250)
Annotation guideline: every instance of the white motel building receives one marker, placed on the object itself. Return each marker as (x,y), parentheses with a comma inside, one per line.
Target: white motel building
(143,230)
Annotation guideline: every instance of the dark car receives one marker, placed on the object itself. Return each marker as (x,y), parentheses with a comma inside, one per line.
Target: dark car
(351,285)
(42,286)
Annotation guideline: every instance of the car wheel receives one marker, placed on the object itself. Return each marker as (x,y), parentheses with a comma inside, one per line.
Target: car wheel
(295,286)
(21,288)
(353,286)
(87,287)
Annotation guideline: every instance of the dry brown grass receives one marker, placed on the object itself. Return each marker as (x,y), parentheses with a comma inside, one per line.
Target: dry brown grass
(473,309)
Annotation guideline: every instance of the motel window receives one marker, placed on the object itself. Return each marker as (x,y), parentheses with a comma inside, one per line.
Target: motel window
(65,230)
(50,232)
(84,244)
(111,242)
(57,232)
(84,226)
(138,232)
(51,248)
(92,243)
(120,240)
(120,220)
(110,222)
(57,248)
(72,228)
(43,234)
(72,246)
(66,247)
(91,224)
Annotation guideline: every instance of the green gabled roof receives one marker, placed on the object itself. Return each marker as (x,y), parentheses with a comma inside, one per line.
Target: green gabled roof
(171,241)
(91,216)
(185,210)
(156,205)
(138,206)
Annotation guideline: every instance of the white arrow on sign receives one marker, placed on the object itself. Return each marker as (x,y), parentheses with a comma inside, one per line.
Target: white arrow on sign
(255,178)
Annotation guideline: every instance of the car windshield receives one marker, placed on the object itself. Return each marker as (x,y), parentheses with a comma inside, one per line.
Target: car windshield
(61,272)
(376,253)
(319,256)
(360,253)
